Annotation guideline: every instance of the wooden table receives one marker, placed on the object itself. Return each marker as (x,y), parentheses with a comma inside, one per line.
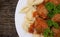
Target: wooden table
(7,23)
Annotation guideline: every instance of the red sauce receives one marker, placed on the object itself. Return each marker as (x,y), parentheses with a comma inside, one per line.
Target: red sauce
(56,18)
(40,24)
(31,28)
(35,14)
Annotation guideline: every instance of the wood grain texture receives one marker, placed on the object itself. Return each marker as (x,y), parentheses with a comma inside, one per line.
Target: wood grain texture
(7,23)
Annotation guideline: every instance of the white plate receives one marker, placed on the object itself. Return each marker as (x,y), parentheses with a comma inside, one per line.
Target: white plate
(19,19)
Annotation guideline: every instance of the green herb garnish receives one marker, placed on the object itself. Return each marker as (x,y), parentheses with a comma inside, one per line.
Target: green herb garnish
(52,23)
(50,6)
(48,33)
(52,9)
(57,9)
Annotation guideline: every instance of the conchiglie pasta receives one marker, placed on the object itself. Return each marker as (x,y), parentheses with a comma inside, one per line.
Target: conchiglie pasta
(30,4)
(36,2)
(29,21)
(27,24)
(25,9)
(37,35)
(29,13)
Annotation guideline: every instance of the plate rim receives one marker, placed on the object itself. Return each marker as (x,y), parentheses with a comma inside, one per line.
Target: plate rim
(17,12)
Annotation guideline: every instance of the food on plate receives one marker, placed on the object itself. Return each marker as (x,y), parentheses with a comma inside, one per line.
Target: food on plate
(26,9)
(54,1)
(30,4)
(56,32)
(29,13)
(42,11)
(42,18)
(56,18)
(37,35)
(34,2)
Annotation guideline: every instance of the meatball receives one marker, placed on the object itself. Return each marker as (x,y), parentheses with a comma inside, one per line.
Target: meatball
(56,18)
(56,32)
(40,25)
(54,1)
(59,1)
(42,11)
(46,1)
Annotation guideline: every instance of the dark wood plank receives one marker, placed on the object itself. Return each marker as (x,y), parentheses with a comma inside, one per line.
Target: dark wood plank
(7,23)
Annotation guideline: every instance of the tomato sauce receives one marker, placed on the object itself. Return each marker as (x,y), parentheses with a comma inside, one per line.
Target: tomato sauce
(40,15)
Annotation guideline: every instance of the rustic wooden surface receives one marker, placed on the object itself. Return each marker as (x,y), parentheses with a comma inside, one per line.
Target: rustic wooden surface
(7,23)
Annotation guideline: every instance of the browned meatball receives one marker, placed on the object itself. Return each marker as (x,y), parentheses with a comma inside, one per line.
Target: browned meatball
(59,1)
(54,1)
(42,11)
(56,32)
(40,25)
(45,1)
(56,18)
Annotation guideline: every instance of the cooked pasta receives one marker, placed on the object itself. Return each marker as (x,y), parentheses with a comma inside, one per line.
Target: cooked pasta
(37,2)
(34,2)
(27,23)
(37,35)
(25,9)
(30,4)
(29,13)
